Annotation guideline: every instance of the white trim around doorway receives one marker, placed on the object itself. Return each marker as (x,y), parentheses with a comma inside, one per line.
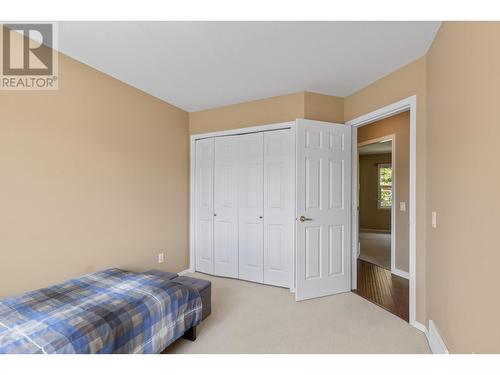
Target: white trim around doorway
(408,104)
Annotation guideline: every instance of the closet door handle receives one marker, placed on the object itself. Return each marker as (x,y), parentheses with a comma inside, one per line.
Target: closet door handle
(260,217)
(215,213)
(303,218)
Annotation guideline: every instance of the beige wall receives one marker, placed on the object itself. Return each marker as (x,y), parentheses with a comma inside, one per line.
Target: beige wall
(370,216)
(405,82)
(258,112)
(400,126)
(268,111)
(323,107)
(463,81)
(94,175)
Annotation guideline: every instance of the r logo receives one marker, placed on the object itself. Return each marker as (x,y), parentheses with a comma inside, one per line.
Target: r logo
(27,49)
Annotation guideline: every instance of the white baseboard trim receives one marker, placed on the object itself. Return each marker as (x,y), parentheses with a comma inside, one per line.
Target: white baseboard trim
(419,326)
(375,230)
(189,270)
(435,340)
(401,273)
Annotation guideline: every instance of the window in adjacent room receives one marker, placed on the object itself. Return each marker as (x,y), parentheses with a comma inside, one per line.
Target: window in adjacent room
(384,186)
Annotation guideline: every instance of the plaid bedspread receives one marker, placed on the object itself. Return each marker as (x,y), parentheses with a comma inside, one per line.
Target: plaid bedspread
(111,311)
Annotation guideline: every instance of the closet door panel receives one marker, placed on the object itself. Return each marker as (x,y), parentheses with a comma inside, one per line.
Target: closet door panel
(278,207)
(250,210)
(226,207)
(204,205)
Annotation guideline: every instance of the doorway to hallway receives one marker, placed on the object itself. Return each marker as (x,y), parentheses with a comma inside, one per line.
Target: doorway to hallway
(382,191)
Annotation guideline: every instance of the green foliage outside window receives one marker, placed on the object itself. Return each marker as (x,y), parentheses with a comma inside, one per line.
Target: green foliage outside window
(385,186)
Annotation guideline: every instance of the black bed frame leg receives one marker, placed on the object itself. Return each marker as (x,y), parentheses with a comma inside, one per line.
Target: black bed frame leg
(190,334)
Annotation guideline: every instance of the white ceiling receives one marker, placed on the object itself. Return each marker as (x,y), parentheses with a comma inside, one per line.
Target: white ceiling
(376,148)
(199,65)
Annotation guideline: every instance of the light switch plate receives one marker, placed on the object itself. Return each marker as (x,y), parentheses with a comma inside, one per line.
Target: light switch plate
(402,206)
(161,258)
(434,219)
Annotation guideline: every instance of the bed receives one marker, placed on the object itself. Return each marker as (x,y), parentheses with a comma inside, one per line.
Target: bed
(111,311)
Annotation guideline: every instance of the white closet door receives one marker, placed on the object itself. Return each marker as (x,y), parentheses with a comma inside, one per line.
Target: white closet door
(226,207)
(279,202)
(323,208)
(204,205)
(251,207)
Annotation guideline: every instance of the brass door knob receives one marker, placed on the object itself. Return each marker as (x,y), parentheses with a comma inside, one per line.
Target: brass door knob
(303,218)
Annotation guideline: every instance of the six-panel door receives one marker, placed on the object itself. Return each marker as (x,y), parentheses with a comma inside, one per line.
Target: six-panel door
(279,202)
(204,205)
(226,207)
(323,208)
(250,158)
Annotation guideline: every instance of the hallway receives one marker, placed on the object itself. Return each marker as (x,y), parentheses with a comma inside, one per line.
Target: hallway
(386,290)
(375,247)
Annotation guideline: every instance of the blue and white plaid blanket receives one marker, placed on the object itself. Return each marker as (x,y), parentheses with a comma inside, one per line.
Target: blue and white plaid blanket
(111,311)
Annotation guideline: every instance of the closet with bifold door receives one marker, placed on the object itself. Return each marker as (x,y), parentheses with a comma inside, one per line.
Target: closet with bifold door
(244,206)
(272,204)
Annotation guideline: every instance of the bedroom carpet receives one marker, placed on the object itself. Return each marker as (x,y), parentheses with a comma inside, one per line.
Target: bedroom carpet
(253,318)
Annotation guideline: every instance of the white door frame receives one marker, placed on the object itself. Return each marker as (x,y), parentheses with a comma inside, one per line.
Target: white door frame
(410,104)
(192,193)
(392,138)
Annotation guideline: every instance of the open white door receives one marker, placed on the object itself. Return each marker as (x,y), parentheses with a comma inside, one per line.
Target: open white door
(323,223)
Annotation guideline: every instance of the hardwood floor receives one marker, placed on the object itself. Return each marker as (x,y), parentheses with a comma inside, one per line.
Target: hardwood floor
(379,286)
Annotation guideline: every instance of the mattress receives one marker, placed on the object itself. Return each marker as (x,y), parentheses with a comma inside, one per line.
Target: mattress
(111,311)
